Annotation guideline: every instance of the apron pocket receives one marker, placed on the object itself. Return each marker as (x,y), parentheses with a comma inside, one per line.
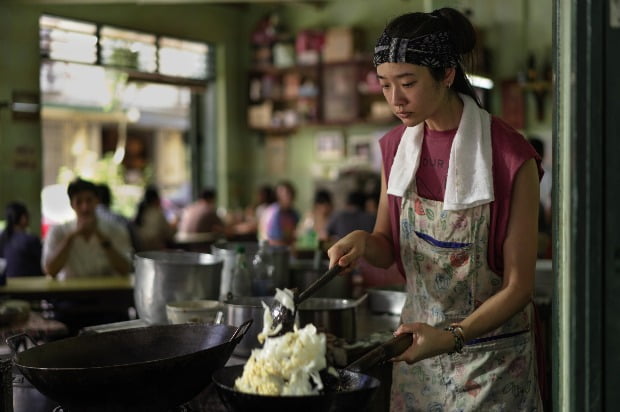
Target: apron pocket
(440,243)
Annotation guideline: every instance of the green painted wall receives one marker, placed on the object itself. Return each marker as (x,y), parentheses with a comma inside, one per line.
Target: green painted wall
(240,152)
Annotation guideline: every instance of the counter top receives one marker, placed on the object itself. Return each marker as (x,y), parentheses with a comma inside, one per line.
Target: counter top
(77,302)
(43,284)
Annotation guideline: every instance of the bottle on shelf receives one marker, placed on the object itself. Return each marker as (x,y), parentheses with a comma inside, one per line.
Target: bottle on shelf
(241,275)
(263,282)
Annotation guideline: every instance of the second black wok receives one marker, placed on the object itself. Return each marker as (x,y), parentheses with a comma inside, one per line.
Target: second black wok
(153,368)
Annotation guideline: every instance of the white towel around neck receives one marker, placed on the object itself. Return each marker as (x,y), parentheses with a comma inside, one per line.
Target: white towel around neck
(470,178)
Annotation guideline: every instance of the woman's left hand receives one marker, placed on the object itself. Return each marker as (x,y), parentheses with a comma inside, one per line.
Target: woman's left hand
(428,341)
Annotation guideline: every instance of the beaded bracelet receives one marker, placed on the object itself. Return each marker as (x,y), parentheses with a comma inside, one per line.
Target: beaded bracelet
(459,329)
(458,338)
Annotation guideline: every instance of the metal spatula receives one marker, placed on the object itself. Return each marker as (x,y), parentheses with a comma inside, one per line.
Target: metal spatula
(284,316)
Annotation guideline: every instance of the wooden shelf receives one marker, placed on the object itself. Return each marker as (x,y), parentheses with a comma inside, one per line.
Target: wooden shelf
(341,98)
(275,70)
(276,130)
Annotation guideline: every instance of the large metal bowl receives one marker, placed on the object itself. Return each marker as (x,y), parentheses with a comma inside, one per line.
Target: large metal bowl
(167,276)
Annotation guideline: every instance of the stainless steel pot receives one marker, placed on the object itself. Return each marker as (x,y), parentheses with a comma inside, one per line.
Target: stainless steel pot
(303,272)
(331,315)
(166,276)
(240,309)
(387,299)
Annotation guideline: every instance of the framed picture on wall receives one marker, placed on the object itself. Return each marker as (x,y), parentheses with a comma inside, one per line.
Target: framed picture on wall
(330,145)
(360,148)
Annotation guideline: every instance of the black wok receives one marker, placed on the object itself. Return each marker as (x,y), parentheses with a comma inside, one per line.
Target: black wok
(153,368)
(351,391)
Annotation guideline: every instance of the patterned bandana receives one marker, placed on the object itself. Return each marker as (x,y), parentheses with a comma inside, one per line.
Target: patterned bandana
(431,50)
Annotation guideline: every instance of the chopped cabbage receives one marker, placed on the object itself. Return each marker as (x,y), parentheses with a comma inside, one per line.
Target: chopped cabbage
(286,365)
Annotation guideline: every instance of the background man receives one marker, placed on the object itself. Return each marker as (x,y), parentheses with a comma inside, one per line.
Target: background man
(86,246)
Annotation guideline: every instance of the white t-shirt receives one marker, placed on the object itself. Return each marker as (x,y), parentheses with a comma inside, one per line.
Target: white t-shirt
(86,256)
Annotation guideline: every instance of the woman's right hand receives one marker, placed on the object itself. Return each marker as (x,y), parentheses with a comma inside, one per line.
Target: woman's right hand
(349,249)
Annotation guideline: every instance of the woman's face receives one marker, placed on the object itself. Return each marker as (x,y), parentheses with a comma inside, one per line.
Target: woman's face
(411,91)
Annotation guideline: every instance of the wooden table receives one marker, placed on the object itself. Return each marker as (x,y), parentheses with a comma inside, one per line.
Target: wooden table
(77,302)
(43,287)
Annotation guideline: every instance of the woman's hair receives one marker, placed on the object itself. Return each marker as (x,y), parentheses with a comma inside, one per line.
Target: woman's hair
(462,36)
(151,197)
(13,214)
(266,194)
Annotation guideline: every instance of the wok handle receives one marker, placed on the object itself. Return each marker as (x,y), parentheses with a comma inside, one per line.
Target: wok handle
(19,340)
(319,283)
(382,353)
(241,330)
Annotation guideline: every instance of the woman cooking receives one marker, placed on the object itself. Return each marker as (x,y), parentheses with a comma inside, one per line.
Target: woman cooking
(458,214)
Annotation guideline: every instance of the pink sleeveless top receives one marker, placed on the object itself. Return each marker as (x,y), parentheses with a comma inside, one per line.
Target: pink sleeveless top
(510,151)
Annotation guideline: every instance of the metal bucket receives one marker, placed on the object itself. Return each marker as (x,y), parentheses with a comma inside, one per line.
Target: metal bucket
(166,276)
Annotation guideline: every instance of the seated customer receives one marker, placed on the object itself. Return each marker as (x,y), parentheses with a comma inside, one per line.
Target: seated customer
(21,250)
(152,229)
(355,217)
(86,246)
(352,217)
(312,230)
(281,218)
(201,216)
(104,211)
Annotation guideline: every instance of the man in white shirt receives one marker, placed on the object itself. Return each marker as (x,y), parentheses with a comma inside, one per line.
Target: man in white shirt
(86,246)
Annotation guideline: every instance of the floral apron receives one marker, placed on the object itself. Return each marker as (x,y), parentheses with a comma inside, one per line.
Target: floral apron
(444,254)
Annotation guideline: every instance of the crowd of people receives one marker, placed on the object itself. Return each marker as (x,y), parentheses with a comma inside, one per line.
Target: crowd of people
(100,241)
